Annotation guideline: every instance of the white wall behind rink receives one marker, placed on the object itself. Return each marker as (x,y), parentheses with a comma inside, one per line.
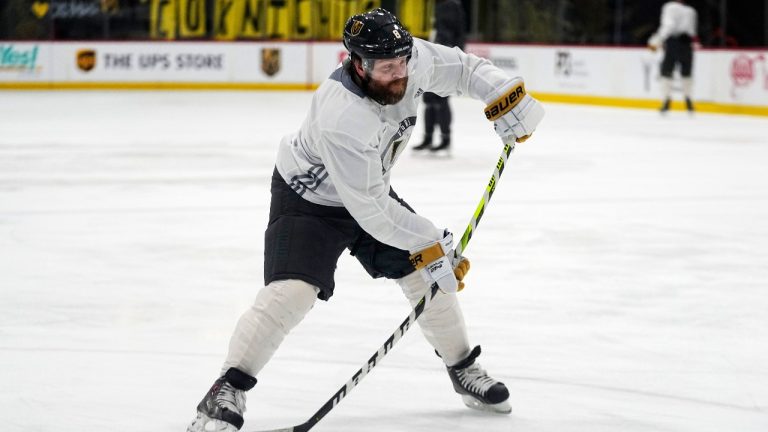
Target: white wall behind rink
(622,75)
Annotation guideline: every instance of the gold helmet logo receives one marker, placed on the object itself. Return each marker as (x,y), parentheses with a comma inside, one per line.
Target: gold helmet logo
(357,26)
(86,60)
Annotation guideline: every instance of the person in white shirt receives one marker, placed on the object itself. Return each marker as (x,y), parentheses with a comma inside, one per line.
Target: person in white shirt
(677,34)
(331,192)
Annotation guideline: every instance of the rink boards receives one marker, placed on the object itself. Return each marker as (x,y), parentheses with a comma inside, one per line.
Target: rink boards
(729,81)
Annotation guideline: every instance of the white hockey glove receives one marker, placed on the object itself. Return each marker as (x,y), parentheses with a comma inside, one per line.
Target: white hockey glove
(654,42)
(433,260)
(515,114)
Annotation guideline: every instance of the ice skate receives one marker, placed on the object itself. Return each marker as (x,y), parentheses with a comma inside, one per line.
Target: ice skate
(664,107)
(478,390)
(443,150)
(425,145)
(689,106)
(222,408)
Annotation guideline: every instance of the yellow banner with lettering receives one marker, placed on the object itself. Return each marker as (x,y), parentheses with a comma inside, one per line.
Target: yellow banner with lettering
(416,16)
(272,19)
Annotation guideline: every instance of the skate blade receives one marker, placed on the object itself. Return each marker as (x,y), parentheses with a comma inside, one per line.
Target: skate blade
(422,154)
(203,423)
(429,154)
(499,408)
(417,150)
(440,154)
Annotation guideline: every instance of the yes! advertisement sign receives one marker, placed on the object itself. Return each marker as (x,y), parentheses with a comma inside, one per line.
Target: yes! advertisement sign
(22,61)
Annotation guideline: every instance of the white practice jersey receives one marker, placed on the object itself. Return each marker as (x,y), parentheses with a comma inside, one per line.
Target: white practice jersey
(347,145)
(676,19)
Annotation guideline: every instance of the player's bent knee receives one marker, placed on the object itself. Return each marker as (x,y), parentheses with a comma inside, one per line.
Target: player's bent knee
(286,301)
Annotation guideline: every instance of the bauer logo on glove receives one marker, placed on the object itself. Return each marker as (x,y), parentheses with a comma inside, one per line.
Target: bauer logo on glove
(502,105)
(515,114)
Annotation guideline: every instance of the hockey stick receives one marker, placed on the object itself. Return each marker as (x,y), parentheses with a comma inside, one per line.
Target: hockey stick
(415,313)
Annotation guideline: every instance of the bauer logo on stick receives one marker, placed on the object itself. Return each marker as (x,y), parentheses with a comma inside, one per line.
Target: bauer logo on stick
(502,105)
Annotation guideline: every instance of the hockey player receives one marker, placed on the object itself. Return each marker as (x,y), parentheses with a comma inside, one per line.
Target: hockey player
(331,191)
(677,33)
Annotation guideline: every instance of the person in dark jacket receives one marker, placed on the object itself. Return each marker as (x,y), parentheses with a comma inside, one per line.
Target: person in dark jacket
(449,31)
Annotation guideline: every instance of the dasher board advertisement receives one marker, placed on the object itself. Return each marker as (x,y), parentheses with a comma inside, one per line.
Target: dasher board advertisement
(25,61)
(181,62)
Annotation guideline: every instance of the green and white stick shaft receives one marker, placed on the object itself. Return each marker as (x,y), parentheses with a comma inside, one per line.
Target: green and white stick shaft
(508,148)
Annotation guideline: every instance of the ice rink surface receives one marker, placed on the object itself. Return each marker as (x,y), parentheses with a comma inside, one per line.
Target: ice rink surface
(619,278)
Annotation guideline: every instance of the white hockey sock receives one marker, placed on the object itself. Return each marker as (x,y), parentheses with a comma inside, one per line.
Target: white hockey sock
(441,322)
(278,308)
(666,88)
(687,86)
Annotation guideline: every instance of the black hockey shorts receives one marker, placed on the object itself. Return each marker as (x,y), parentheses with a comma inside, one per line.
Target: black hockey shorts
(677,50)
(433,99)
(304,241)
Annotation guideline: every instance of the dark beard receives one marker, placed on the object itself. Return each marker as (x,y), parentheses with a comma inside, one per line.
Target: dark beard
(385,94)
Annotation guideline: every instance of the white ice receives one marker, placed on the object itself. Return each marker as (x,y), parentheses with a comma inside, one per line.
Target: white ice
(619,278)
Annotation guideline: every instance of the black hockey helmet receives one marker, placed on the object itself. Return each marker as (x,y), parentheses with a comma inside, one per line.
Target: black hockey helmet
(377,34)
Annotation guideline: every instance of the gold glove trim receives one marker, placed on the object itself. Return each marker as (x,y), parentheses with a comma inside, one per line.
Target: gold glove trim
(460,271)
(462,268)
(425,256)
(505,103)
(523,138)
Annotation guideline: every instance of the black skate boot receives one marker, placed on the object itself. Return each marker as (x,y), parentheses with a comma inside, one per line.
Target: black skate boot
(664,106)
(425,145)
(222,408)
(444,148)
(689,105)
(477,389)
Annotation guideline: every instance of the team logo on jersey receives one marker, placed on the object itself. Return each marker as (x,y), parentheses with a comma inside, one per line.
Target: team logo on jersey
(419,92)
(357,27)
(270,60)
(396,143)
(395,147)
(86,60)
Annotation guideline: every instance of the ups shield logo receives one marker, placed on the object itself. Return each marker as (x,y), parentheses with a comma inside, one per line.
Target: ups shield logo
(86,60)
(270,60)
